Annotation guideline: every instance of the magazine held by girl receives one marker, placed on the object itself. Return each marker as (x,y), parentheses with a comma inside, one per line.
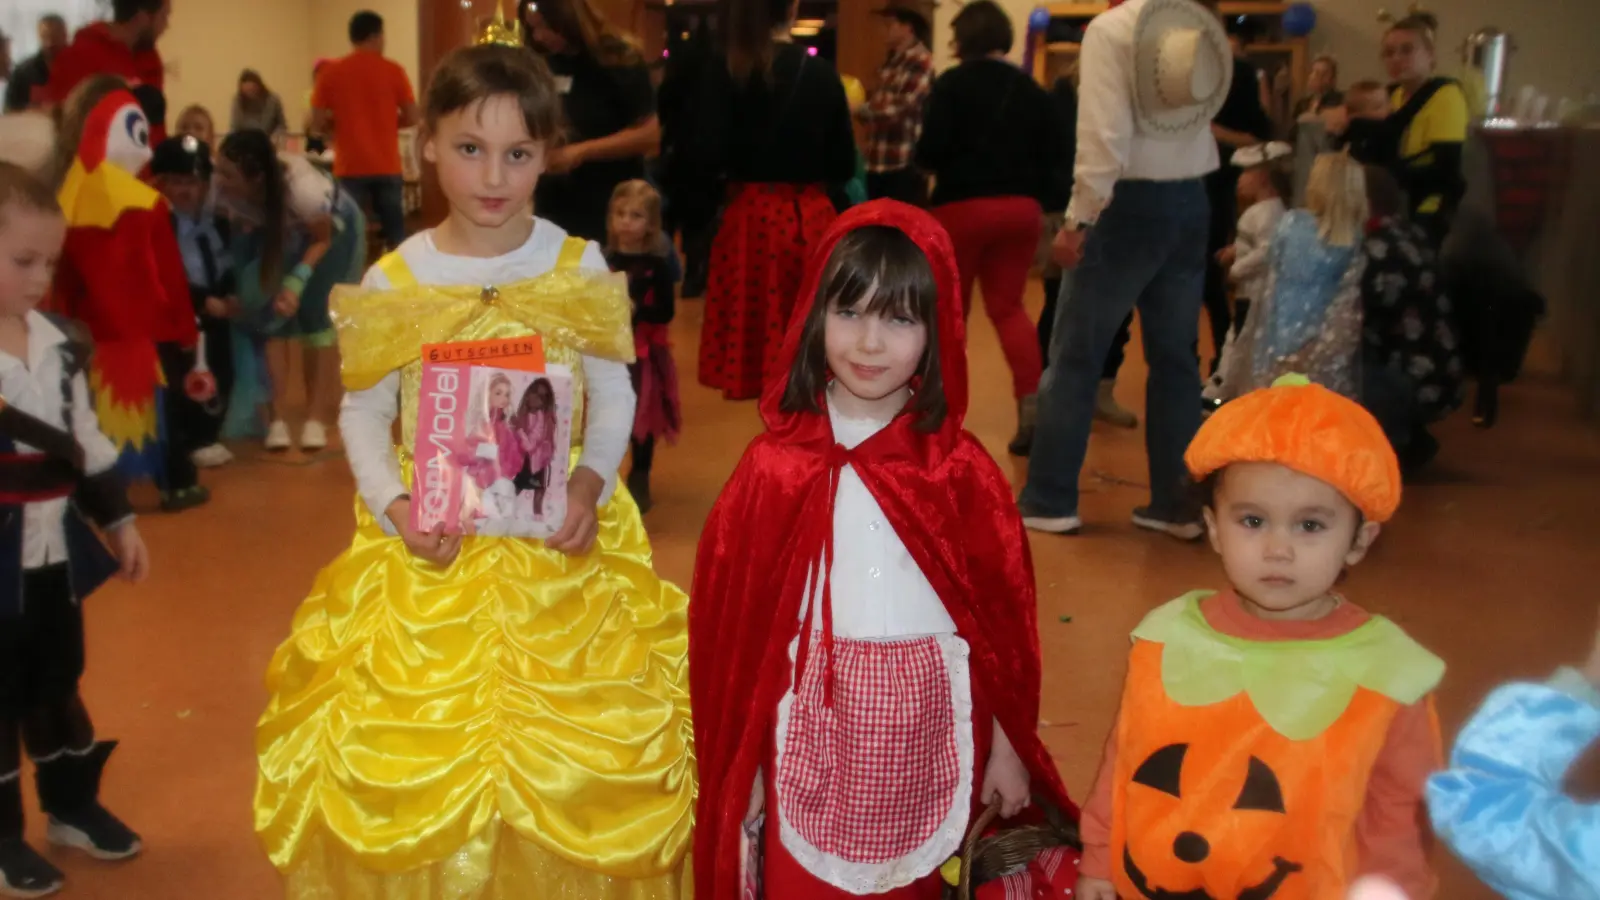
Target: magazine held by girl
(493,440)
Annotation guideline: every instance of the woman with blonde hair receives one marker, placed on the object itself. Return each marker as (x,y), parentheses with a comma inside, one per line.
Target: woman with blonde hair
(1428,123)
(1309,321)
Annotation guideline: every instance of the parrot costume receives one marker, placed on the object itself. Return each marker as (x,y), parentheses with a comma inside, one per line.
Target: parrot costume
(122,275)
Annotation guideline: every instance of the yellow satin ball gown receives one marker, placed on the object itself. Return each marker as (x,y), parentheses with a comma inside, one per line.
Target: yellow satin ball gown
(514,726)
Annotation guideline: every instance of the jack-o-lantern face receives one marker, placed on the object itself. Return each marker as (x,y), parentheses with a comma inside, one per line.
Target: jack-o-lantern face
(1172,835)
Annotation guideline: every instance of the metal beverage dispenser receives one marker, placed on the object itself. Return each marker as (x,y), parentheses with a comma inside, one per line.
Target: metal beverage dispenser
(1486,53)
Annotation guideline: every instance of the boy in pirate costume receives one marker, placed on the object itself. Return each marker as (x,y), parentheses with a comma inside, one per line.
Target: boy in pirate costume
(57,475)
(1274,738)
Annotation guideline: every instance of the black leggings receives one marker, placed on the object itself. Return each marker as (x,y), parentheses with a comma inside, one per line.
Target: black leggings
(41,660)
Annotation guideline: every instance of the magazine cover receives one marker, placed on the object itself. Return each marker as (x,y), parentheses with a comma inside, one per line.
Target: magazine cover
(493,444)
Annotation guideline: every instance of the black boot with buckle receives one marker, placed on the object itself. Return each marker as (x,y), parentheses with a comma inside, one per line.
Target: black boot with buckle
(69,793)
(23,872)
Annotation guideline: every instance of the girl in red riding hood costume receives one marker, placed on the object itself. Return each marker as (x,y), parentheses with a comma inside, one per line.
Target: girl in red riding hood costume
(867,521)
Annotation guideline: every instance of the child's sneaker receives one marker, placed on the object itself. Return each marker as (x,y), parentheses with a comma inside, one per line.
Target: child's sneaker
(278,436)
(24,873)
(186,498)
(211,457)
(69,793)
(95,831)
(313,437)
(1191,530)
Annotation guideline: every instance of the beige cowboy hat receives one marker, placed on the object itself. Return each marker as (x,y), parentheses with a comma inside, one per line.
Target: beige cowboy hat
(1183,68)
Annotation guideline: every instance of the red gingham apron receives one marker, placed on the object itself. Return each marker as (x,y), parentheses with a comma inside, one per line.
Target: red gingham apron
(874,789)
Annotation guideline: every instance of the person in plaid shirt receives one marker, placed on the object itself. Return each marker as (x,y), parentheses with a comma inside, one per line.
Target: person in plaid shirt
(892,112)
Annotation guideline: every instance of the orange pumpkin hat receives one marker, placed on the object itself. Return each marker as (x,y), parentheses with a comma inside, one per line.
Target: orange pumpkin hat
(1310,429)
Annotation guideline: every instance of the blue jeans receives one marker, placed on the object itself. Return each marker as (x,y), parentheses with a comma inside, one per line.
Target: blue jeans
(383,196)
(1147,251)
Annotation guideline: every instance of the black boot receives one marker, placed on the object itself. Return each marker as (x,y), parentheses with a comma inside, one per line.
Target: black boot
(1486,409)
(644,454)
(69,792)
(23,873)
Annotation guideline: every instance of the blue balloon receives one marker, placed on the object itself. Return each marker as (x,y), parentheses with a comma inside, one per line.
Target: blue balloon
(1299,19)
(1039,19)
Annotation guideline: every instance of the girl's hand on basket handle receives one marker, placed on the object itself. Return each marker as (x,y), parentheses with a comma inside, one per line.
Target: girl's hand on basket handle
(758,798)
(1095,889)
(1005,776)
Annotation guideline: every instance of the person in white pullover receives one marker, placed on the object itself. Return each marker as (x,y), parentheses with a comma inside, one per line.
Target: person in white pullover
(1264,184)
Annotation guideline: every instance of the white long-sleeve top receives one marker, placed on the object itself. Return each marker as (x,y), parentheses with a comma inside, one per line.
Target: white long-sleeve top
(1251,244)
(879,591)
(366,418)
(1111,146)
(33,386)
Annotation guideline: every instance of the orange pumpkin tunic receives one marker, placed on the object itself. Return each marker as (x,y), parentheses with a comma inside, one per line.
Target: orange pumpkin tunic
(1213,799)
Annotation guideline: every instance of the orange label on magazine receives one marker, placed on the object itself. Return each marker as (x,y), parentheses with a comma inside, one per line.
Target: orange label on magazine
(525,354)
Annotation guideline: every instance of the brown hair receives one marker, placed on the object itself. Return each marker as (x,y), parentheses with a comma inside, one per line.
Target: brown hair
(473,74)
(982,28)
(1280,172)
(546,392)
(73,115)
(584,29)
(885,268)
(747,26)
(1333,66)
(643,193)
(1384,195)
(18,187)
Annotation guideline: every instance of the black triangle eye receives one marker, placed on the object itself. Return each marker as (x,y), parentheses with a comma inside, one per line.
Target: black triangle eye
(1261,791)
(1163,769)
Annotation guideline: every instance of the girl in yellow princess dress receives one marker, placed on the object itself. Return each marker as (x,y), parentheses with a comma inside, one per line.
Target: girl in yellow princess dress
(483,718)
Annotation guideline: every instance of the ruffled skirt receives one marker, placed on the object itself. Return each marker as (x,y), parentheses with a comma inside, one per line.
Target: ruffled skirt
(514,726)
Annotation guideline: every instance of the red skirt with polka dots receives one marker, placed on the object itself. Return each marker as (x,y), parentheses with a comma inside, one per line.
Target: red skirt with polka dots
(757,261)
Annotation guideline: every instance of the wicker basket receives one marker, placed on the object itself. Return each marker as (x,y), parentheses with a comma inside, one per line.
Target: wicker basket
(987,858)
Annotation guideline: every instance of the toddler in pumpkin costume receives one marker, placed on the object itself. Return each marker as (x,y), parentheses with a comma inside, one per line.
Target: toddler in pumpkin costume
(1274,738)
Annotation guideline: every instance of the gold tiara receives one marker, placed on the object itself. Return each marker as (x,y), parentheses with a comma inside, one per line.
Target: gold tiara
(498,31)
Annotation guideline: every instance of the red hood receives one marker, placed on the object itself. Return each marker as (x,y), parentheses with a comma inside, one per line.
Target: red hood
(931,238)
(946,500)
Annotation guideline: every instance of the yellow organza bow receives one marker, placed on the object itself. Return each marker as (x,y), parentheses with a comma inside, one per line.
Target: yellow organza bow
(384,330)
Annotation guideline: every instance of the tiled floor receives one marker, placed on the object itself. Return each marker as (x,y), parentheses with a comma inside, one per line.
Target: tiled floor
(1485,565)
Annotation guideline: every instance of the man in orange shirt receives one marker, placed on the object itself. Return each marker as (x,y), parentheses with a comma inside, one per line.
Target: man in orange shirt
(363,100)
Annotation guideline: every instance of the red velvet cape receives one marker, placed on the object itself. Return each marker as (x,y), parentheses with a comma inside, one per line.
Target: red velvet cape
(949,504)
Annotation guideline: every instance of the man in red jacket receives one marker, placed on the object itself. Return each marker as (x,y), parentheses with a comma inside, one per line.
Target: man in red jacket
(124,46)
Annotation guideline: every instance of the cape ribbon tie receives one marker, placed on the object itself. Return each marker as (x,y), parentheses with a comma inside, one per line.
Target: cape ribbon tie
(837,458)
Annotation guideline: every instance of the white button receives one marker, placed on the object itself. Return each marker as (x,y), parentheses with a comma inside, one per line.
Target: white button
(875,572)
(874,526)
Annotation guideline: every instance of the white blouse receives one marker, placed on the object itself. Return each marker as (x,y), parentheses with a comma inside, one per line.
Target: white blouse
(879,591)
(366,417)
(1251,245)
(33,386)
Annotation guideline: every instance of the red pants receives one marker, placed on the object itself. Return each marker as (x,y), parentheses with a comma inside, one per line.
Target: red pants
(995,240)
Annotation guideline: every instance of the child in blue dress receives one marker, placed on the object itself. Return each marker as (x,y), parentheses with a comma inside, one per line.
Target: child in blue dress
(1500,806)
(1309,321)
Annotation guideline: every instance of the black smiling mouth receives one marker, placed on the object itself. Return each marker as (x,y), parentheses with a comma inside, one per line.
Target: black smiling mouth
(1281,870)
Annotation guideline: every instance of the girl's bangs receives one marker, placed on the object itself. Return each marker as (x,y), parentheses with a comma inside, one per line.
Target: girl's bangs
(888,272)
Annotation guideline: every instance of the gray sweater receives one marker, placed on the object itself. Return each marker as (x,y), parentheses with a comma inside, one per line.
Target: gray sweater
(268,116)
